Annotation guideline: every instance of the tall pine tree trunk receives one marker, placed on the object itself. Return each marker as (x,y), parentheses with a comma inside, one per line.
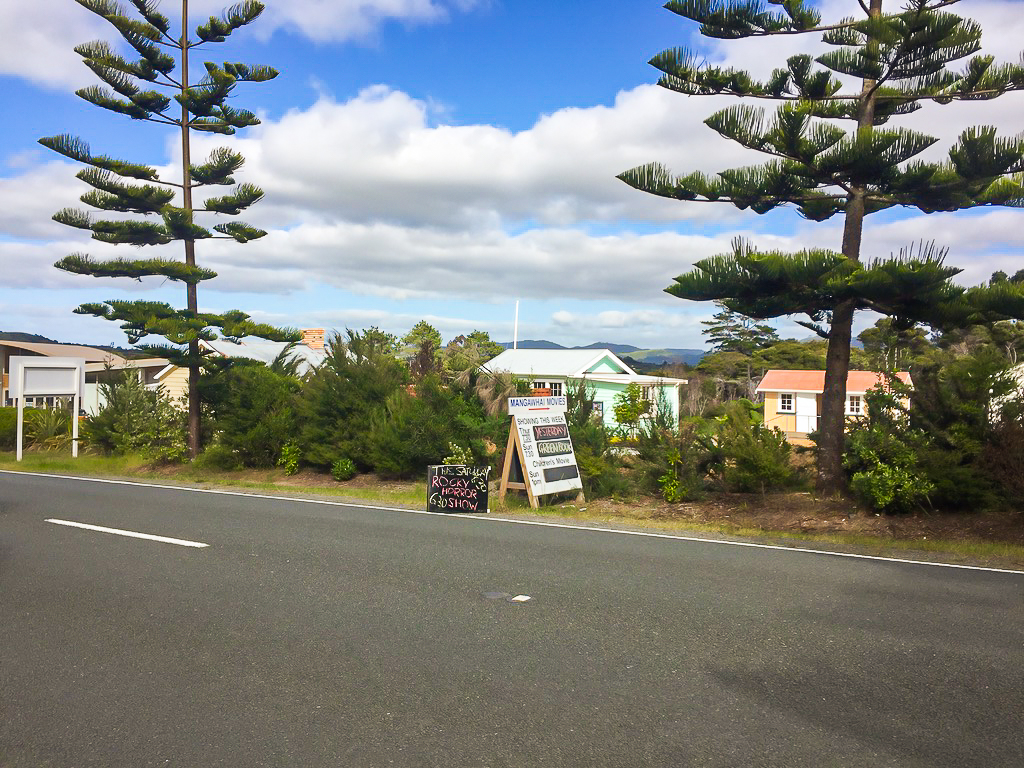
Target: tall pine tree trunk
(831,478)
(190,248)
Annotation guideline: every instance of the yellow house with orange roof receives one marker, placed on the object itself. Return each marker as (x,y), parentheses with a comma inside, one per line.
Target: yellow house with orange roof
(792,399)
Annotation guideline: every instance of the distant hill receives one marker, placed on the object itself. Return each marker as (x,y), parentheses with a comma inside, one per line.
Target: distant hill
(618,349)
(534,344)
(669,356)
(28,337)
(646,356)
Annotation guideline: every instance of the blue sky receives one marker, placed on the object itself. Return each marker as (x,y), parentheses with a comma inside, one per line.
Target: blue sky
(441,159)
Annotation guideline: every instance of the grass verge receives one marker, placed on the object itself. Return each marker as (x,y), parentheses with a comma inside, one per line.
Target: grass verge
(967,551)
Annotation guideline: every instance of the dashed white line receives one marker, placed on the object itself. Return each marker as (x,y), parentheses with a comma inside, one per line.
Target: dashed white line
(131,534)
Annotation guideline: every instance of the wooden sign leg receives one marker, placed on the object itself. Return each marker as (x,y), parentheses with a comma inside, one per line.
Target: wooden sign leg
(534,503)
(515,447)
(509,448)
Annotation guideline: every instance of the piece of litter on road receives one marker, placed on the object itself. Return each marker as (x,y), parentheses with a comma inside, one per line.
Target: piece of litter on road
(519,599)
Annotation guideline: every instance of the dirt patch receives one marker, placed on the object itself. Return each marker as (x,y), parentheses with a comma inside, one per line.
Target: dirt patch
(802,513)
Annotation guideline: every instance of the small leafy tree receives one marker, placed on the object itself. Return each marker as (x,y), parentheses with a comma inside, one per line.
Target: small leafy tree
(135,420)
(386,342)
(423,347)
(157,88)
(889,347)
(464,355)
(731,331)
(630,408)
(902,61)
(751,457)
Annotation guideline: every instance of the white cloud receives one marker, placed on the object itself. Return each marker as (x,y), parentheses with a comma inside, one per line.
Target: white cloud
(38,41)
(377,157)
(979,243)
(341,20)
(29,200)
(396,262)
(40,35)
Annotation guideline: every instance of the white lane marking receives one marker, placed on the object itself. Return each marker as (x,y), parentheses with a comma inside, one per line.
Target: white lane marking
(491,519)
(132,534)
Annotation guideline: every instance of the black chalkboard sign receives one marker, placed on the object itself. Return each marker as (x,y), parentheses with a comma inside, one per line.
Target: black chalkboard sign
(456,488)
(551,432)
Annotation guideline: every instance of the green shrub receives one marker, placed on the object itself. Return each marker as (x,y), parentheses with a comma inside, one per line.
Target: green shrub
(605,477)
(673,462)
(254,412)
(417,430)
(8,429)
(290,457)
(136,420)
(751,458)
(218,457)
(458,455)
(1002,460)
(48,429)
(343,469)
(602,470)
(885,473)
(341,400)
(960,482)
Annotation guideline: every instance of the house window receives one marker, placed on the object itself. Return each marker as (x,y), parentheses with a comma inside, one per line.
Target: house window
(554,386)
(854,405)
(648,392)
(786,402)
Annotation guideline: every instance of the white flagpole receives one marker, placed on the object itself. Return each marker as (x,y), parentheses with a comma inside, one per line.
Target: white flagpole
(515,330)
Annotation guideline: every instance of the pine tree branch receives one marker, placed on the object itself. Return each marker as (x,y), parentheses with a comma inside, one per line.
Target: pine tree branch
(161,120)
(112,195)
(216,30)
(74,148)
(714,18)
(243,196)
(83,264)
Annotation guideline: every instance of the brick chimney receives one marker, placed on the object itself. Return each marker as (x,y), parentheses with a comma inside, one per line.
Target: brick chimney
(313,338)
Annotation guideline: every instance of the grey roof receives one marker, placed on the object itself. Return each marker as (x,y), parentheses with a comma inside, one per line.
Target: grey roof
(552,362)
(91,354)
(255,348)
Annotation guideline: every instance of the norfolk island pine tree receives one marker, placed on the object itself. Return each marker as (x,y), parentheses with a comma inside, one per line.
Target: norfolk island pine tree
(900,62)
(138,89)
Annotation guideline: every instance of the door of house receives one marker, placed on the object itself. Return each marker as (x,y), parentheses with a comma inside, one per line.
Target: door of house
(806,412)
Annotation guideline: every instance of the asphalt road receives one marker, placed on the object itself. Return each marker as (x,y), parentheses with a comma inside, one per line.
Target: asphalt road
(317,635)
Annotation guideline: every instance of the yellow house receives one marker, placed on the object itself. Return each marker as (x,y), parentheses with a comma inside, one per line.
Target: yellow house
(309,353)
(792,399)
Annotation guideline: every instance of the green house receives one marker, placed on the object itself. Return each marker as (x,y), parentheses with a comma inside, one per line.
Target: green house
(601,368)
